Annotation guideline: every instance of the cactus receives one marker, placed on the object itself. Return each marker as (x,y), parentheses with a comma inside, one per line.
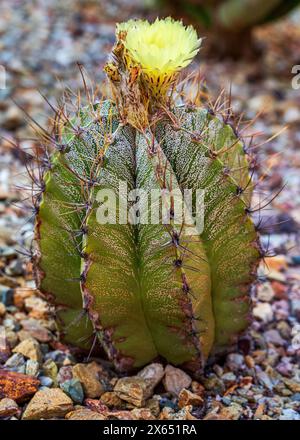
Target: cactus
(147,289)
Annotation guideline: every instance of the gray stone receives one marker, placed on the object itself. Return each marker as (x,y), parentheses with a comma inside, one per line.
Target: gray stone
(289,414)
(152,373)
(235,361)
(16,363)
(273,337)
(73,389)
(264,312)
(175,380)
(229,377)
(32,368)
(46,381)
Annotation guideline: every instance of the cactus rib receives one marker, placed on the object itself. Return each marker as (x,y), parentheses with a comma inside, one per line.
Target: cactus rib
(229,235)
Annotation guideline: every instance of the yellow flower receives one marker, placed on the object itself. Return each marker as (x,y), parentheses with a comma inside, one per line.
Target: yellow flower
(161,49)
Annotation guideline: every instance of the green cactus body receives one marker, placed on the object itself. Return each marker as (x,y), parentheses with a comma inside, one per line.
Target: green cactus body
(59,226)
(147,288)
(59,265)
(147,296)
(229,236)
(137,290)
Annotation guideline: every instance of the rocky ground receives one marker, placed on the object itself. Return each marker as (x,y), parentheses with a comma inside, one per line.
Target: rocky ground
(40,43)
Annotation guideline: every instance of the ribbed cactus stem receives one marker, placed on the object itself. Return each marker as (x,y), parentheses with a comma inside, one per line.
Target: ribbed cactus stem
(147,286)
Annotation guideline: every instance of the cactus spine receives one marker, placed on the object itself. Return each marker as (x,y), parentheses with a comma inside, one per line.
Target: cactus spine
(147,289)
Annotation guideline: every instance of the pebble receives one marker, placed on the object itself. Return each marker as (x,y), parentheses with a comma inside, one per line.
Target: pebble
(153,373)
(64,373)
(15,268)
(296,260)
(96,405)
(198,388)
(12,118)
(37,307)
(5,351)
(88,376)
(120,415)
(142,414)
(289,414)
(218,370)
(258,102)
(232,412)
(32,368)
(46,381)
(229,377)
(6,295)
(263,311)
(36,330)
(61,358)
(281,309)
(183,414)
(235,361)
(265,380)
(292,115)
(284,329)
(154,405)
(133,389)
(11,324)
(73,389)
(214,383)
(8,408)
(16,363)
(280,290)
(84,414)
(50,370)
(48,403)
(175,380)
(265,292)
(20,294)
(30,349)
(164,401)
(273,356)
(17,386)
(186,397)
(273,337)
(7,252)
(293,385)
(296,397)
(295,303)
(111,399)
(226,401)
(2,309)
(285,367)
